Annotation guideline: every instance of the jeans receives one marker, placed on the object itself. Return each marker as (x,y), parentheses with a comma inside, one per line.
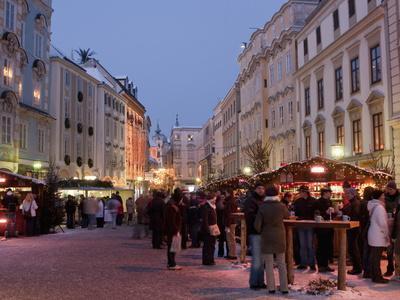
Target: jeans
(114,219)
(390,257)
(257,266)
(30,226)
(352,244)
(222,244)
(366,257)
(156,238)
(269,269)
(92,221)
(375,262)
(307,253)
(231,241)
(194,234)
(208,249)
(85,220)
(325,246)
(170,255)
(11,223)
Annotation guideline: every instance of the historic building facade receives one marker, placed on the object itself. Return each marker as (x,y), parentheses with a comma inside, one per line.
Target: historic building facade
(342,82)
(74,134)
(230,107)
(217,145)
(24,55)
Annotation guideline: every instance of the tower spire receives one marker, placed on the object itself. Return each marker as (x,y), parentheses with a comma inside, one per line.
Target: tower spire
(177,121)
(158,130)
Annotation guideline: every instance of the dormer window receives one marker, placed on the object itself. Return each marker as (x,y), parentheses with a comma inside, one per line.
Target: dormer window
(10,12)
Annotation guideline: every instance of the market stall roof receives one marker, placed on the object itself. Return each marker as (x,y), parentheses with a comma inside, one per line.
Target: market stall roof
(16,180)
(85,184)
(235,182)
(320,169)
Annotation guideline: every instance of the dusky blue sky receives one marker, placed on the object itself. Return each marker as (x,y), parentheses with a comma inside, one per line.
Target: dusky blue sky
(182,54)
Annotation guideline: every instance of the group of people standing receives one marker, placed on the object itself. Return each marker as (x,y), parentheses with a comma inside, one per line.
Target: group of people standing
(202,217)
(92,211)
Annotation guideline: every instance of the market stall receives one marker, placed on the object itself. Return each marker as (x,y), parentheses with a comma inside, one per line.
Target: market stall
(20,185)
(319,172)
(237,183)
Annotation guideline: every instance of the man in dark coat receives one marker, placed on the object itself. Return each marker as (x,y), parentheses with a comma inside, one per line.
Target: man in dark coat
(251,206)
(324,235)
(209,218)
(70,209)
(351,208)
(304,208)
(194,220)
(183,209)
(155,210)
(10,202)
(230,223)
(172,226)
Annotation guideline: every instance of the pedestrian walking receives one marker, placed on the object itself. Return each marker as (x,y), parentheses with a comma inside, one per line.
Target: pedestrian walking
(172,226)
(100,213)
(324,235)
(130,205)
(70,209)
(82,209)
(269,222)
(210,230)
(183,210)
(392,200)
(220,210)
(113,205)
(141,228)
(155,211)
(251,206)
(230,223)
(351,209)
(29,207)
(120,214)
(91,206)
(194,220)
(10,202)
(304,208)
(378,234)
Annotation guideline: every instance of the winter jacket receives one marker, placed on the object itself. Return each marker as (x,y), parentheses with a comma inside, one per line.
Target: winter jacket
(269,222)
(113,205)
(100,210)
(209,217)
(26,205)
(322,206)
(141,204)
(251,206)
(396,231)
(230,208)
(378,232)
(90,206)
(130,206)
(70,206)
(352,209)
(10,202)
(172,220)
(304,208)
(194,212)
(391,202)
(155,210)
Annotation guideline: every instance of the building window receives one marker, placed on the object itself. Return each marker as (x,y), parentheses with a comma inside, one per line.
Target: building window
(288,63)
(266,123)
(273,119)
(376,72)
(23,136)
(22,34)
(7,73)
(318,33)
(280,70)
(271,74)
(265,83)
(305,47)
(308,146)
(66,145)
(339,83)
(355,74)
(38,45)
(377,122)
(321,143)
(66,107)
(307,101)
(357,147)
(6,130)
(41,141)
(107,127)
(10,16)
(67,79)
(282,156)
(290,109)
(340,135)
(336,23)
(320,86)
(281,114)
(352,8)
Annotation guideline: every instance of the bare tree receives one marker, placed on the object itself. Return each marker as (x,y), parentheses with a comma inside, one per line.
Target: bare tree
(258,154)
(378,162)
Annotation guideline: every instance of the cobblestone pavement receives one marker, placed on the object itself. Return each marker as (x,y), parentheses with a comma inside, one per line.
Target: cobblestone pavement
(108,264)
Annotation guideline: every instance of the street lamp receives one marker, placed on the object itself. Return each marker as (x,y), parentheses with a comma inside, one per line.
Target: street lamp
(337,151)
(198,180)
(36,168)
(246,170)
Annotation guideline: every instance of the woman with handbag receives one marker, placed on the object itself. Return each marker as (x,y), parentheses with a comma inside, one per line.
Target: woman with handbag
(172,226)
(29,207)
(210,230)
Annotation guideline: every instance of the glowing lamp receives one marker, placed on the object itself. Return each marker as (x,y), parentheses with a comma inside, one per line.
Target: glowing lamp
(3,221)
(2,180)
(317,170)
(37,165)
(337,151)
(247,170)
(198,180)
(139,178)
(90,177)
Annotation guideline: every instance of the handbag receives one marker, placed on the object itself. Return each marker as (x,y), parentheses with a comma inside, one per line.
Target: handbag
(28,213)
(214,230)
(176,243)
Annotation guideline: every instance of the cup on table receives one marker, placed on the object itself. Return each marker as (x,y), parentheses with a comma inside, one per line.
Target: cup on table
(345,218)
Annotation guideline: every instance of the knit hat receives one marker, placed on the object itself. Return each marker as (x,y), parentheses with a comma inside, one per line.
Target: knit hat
(304,189)
(392,185)
(326,189)
(271,191)
(258,183)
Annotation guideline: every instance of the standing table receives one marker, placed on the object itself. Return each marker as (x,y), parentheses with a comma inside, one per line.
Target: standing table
(340,226)
(243,236)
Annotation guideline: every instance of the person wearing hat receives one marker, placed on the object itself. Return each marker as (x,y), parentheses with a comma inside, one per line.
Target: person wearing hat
(269,222)
(392,200)
(304,208)
(251,206)
(324,235)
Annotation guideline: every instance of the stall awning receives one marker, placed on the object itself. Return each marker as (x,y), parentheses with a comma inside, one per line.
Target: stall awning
(9,179)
